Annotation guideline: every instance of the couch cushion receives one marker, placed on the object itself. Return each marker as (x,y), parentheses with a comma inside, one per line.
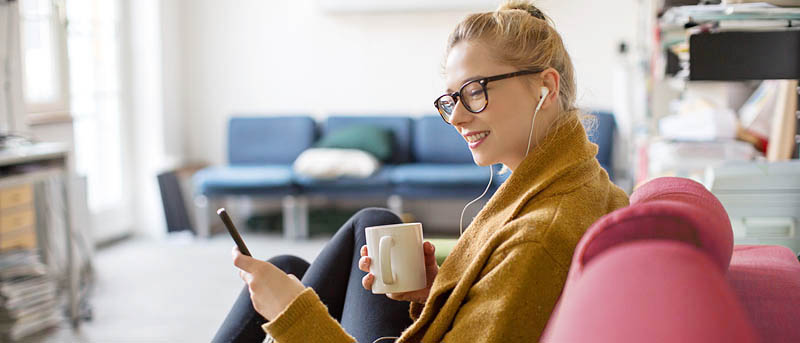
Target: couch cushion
(767,280)
(378,184)
(432,174)
(331,164)
(400,127)
(268,140)
(437,142)
(262,180)
(429,180)
(651,291)
(368,138)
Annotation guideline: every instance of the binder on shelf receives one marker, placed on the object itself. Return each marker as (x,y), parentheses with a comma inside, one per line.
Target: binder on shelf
(744,55)
(782,135)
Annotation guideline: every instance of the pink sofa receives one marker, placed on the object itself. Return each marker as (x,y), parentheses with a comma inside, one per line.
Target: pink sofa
(665,269)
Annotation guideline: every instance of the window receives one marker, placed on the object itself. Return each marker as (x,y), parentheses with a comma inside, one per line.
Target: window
(93,42)
(44,70)
(71,67)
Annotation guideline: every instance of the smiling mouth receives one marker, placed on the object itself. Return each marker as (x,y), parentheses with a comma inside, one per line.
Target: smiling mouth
(476,137)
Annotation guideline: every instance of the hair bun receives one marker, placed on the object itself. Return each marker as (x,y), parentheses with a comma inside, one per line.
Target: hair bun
(522,5)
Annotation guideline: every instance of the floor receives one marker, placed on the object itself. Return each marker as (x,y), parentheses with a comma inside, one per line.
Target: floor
(177,289)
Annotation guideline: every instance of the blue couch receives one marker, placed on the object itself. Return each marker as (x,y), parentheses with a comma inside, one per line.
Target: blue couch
(430,160)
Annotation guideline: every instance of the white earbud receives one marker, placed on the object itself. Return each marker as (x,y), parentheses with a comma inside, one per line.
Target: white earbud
(544,92)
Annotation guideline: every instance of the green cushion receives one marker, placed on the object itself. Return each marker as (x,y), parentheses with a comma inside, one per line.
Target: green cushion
(372,139)
(443,247)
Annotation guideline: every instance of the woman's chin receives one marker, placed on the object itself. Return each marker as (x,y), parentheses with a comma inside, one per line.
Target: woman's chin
(481,161)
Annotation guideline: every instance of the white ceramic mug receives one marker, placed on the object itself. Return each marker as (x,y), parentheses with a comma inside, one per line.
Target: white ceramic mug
(398,261)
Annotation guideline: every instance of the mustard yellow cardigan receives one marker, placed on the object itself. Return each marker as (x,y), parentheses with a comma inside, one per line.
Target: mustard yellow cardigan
(503,278)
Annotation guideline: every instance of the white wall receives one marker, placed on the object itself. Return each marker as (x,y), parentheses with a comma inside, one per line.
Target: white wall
(12,115)
(149,98)
(279,57)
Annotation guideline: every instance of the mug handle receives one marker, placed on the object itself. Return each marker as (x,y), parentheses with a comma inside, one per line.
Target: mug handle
(385,248)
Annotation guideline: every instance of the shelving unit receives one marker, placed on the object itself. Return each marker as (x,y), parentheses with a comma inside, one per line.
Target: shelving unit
(34,194)
(711,43)
(733,43)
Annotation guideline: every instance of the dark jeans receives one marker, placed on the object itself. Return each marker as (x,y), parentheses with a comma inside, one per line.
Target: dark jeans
(335,277)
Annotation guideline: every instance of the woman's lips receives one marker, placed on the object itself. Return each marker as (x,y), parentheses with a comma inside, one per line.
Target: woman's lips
(476,138)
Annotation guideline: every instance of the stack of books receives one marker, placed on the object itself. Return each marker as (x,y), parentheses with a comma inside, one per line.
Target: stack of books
(28,295)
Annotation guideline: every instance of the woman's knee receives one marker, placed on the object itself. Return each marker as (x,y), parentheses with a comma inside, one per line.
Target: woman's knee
(290,264)
(373,216)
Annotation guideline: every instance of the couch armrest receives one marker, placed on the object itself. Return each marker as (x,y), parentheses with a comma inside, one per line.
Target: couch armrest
(651,291)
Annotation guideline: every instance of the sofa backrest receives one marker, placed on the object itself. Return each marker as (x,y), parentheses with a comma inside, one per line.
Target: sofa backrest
(651,291)
(399,125)
(601,132)
(268,140)
(437,142)
(717,228)
(674,209)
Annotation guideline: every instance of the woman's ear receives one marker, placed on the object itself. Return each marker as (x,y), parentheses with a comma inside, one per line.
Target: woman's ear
(551,79)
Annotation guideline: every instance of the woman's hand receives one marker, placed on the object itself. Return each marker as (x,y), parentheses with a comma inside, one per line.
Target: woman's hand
(418,296)
(271,290)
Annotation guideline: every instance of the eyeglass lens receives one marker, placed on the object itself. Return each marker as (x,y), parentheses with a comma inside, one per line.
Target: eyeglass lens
(473,96)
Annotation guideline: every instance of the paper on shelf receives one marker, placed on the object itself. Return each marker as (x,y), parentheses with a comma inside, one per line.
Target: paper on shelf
(756,114)
(747,11)
(699,120)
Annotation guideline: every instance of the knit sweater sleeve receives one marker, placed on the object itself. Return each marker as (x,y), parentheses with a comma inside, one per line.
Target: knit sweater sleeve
(306,319)
(513,298)
(415,310)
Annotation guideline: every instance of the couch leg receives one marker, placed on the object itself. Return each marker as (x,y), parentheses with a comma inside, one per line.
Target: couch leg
(243,208)
(202,224)
(295,217)
(395,204)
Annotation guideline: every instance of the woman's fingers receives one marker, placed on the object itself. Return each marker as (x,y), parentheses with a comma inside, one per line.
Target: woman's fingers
(246,277)
(364,263)
(407,296)
(242,261)
(367,281)
(397,296)
(430,256)
(428,248)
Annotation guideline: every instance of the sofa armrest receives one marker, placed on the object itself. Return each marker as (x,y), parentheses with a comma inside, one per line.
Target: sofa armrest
(651,291)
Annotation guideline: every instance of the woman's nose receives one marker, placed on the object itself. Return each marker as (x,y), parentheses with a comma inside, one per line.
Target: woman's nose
(460,115)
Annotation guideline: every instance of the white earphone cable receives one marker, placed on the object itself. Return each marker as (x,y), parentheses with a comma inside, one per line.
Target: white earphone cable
(460,226)
(461,221)
(530,135)
(491,170)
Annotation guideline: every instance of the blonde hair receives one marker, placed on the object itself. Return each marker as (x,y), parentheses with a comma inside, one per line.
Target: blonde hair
(521,35)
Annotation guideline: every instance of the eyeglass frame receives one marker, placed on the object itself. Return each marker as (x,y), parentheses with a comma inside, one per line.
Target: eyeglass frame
(483,82)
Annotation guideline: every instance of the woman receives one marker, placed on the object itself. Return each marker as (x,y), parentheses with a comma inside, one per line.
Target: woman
(511,95)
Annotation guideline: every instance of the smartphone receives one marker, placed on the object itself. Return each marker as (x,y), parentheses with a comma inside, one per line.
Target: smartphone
(226,219)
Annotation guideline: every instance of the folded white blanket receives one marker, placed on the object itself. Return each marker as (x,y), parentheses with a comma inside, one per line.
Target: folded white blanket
(328,164)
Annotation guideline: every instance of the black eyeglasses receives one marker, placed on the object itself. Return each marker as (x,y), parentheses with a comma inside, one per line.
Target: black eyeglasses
(472,94)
